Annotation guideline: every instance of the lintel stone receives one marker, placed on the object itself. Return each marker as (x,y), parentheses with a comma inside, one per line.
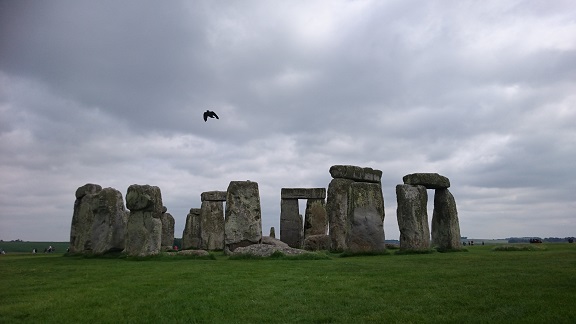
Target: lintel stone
(213,196)
(428,180)
(355,173)
(303,193)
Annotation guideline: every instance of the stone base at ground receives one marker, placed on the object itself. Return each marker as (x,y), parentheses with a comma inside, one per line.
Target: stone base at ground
(190,253)
(265,250)
(317,243)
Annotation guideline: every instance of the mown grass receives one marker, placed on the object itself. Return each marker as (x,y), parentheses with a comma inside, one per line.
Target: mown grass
(479,286)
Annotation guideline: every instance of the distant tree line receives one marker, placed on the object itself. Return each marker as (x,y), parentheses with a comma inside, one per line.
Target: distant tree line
(544,240)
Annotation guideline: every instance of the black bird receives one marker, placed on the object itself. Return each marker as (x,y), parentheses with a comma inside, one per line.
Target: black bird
(211,114)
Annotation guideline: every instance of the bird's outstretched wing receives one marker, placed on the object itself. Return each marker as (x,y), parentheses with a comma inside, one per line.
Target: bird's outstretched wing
(206,115)
(214,114)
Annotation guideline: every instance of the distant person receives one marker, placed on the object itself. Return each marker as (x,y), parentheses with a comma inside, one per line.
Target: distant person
(33,251)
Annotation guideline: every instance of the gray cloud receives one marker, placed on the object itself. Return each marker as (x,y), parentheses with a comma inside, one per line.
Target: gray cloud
(113,93)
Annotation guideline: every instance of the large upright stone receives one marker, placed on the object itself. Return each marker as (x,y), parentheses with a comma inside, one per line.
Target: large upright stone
(212,225)
(315,218)
(412,217)
(144,234)
(83,218)
(291,227)
(167,230)
(428,180)
(445,225)
(110,220)
(191,234)
(366,218)
(243,224)
(337,212)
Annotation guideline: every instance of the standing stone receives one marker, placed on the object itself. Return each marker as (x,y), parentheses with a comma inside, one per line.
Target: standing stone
(144,234)
(110,221)
(315,218)
(212,225)
(167,230)
(272,232)
(366,218)
(291,227)
(337,212)
(191,234)
(243,224)
(445,226)
(83,218)
(413,218)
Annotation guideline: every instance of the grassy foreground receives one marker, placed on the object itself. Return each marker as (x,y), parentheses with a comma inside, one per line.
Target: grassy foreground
(477,286)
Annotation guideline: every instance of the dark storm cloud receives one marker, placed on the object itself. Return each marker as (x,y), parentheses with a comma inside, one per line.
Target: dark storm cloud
(113,93)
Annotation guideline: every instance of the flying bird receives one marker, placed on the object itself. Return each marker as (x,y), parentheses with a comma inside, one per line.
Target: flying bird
(211,114)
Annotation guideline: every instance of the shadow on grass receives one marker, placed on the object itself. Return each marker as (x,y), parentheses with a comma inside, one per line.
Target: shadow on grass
(156,257)
(410,252)
(281,256)
(348,254)
(451,250)
(519,247)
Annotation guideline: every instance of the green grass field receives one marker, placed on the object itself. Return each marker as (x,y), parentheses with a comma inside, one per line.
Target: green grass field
(478,286)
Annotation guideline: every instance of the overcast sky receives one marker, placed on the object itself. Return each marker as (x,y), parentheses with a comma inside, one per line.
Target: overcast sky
(112,93)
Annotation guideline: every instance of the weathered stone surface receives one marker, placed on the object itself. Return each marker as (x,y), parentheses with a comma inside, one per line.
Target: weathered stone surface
(190,253)
(266,250)
(365,218)
(167,231)
(315,218)
(144,233)
(110,220)
(87,189)
(272,241)
(272,232)
(355,173)
(337,211)
(145,198)
(212,225)
(445,225)
(213,196)
(243,224)
(191,235)
(291,224)
(83,218)
(317,242)
(303,193)
(412,217)
(428,180)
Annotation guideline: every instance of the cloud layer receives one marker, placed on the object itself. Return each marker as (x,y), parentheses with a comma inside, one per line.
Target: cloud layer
(113,93)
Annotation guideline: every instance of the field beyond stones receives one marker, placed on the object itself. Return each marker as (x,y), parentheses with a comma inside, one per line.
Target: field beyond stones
(480,285)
